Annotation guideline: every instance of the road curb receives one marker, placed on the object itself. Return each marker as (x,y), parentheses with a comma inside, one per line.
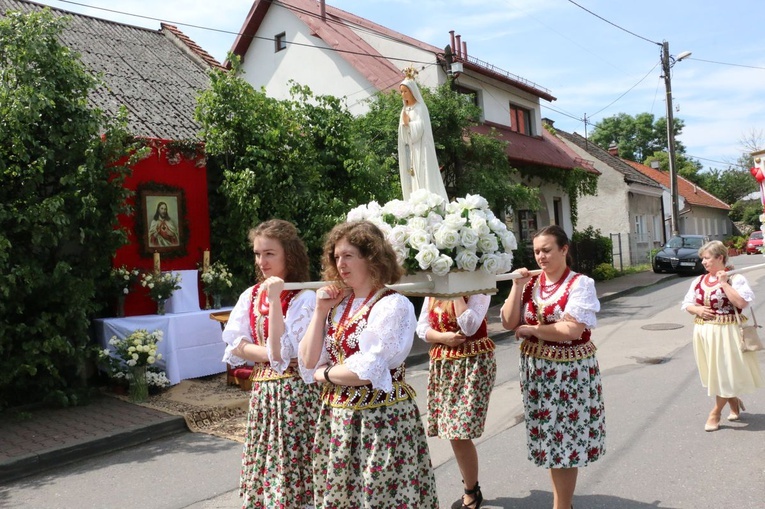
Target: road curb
(23,466)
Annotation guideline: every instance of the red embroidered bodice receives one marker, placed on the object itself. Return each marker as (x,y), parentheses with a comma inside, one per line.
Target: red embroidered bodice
(713,296)
(536,311)
(442,318)
(259,312)
(343,338)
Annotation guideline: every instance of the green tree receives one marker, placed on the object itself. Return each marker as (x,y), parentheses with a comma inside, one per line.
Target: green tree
(638,137)
(295,160)
(59,199)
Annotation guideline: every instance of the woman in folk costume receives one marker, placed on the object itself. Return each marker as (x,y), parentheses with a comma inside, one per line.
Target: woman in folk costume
(265,327)
(714,299)
(417,163)
(560,378)
(370,447)
(460,381)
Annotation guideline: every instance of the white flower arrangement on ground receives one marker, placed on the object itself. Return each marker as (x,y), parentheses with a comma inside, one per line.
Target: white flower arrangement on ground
(429,234)
(138,349)
(161,286)
(216,279)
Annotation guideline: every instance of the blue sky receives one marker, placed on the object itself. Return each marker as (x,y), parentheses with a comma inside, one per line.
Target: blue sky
(584,61)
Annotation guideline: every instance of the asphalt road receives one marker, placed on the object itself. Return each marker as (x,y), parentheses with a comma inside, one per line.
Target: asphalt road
(658,454)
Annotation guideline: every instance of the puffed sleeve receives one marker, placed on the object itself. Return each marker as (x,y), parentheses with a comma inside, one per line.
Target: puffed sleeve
(295,324)
(423,323)
(741,285)
(583,302)
(238,328)
(385,342)
(690,298)
(472,318)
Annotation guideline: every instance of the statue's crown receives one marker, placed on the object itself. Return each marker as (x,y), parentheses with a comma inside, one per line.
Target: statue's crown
(410,72)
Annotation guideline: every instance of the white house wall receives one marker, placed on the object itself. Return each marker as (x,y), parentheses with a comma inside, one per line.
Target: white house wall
(714,223)
(324,71)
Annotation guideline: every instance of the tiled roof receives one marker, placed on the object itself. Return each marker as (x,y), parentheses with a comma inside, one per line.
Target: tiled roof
(545,150)
(156,74)
(631,175)
(691,193)
(337,33)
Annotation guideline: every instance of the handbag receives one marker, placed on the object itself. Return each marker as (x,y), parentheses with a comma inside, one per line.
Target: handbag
(749,336)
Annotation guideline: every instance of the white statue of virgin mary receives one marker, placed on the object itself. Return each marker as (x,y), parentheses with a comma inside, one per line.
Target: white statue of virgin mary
(417,163)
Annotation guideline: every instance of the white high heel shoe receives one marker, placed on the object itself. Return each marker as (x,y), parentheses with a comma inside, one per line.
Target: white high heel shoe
(736,416)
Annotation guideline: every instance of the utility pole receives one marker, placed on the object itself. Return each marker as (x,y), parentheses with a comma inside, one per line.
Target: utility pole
(666,69)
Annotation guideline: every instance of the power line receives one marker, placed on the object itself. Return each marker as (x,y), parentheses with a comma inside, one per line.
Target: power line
(614,24)
(628,91)
(270,39)
(724,63)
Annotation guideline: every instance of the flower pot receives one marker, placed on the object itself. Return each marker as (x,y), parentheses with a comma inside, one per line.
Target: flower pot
(451,285)
(138,390)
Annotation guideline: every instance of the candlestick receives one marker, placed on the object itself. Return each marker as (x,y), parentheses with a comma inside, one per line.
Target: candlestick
(206,260)
(156,263)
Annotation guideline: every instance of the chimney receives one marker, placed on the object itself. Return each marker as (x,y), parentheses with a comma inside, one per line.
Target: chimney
(458,47)
(323,11)
(547,121)
(451,37)
(464,50)
(613,149)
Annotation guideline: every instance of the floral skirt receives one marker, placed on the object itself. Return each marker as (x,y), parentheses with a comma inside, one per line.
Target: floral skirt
(276,461)
(565,419)
(458,396)
(724,369)
(374,458)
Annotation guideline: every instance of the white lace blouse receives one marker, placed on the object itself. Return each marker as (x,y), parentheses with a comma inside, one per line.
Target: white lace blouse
(469,321)
(384,343)
(295,325)
(737,281)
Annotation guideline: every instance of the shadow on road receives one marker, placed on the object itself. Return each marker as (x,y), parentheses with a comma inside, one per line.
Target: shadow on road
(544,499)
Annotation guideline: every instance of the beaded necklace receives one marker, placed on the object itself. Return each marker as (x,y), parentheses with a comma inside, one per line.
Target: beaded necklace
(548,290)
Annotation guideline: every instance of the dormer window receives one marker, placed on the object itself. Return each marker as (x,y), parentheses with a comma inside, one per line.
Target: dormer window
(520,120)
(280,42)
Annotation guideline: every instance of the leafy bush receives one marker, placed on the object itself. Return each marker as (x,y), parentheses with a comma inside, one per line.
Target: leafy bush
(604,272)
(59,200)
(589,249)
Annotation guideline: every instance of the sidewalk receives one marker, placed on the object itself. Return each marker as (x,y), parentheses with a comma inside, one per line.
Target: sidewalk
(41,439)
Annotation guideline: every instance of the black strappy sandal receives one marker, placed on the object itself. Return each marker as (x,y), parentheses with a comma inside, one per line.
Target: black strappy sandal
(477,499)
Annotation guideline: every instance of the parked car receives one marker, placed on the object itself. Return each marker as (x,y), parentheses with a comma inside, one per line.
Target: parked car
(680,254)
(754,244)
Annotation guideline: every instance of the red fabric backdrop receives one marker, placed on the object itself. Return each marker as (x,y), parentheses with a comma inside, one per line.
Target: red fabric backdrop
(181,173)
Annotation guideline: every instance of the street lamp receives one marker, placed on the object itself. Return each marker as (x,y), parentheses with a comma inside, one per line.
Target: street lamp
(667,61)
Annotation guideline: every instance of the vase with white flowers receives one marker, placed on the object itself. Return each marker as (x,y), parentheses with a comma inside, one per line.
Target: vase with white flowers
(216,280)
(130,357)
(161,287)
(122,280)
(432,237)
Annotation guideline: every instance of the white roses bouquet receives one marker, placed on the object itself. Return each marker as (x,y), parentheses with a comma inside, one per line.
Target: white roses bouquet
(427,233)
(217,278)
(137,349)
(161,286)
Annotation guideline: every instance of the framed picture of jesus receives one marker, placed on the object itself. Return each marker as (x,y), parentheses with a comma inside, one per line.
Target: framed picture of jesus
(160,220)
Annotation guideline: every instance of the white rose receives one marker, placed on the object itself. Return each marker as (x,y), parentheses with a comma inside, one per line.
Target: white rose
(488,243)
(151,285)
(491,263)
(427,256)
(159,356)
(435,200)
(135,356)
(417,223)
(398,236)
(420,209)
(398,208)
(131,363)
(125,291)
(454,221)
(468,238)
(434,219)
(420,196)
(446,238)
(441,265)
(508,241)
(402,253)
(357,214)
(418,239)
(496,225)
(466,259)
(478,224)
(507,262)
(151,360)
(476,201)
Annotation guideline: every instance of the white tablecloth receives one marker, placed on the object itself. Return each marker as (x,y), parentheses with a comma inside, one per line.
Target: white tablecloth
(191,346)
(186,299)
